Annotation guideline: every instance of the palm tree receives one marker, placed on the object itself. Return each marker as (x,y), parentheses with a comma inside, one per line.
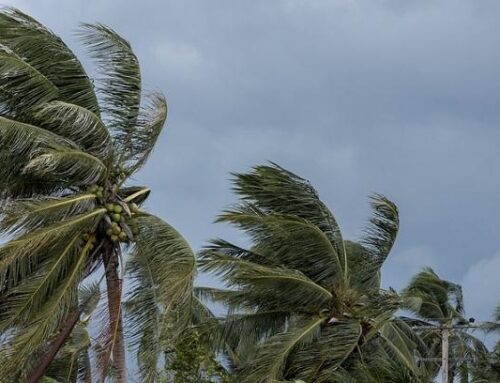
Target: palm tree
(437,304)
(487,368)
(68,213)
(303,302)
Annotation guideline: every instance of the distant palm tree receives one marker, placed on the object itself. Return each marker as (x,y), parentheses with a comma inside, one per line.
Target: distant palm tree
(437,303)
(67,152)
(487,369)
(303,302)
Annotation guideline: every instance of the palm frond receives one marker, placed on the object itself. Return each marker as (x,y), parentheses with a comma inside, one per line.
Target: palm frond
(440,300)
(34,213)
(70,165)
(149,125)
(271,356)
(77,124)
(284,238)
(120,82)
(49,55)
(23,87)
(162,268)
(291,287)
(274,189)
(33,335)
(20,256)
(335,344)
(379,238)
(23,301)
(18,142)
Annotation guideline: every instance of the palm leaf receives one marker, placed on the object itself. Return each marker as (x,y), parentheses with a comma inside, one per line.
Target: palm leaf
(19,256)
(276,190)
(271,356)
(77,124)
(120,82)
(49,55)
(146,133)
(34,213)
(284,239)
(34,335)
(292,287)
(162,268)
(70,165)
(23,87)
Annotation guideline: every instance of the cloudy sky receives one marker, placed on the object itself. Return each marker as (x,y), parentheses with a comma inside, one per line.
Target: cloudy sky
(358,96)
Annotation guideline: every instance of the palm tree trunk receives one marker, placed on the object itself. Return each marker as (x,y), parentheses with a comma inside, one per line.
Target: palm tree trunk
(114,291)
(54,348)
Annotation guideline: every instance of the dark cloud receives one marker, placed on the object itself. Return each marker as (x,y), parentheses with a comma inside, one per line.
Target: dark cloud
(356,95)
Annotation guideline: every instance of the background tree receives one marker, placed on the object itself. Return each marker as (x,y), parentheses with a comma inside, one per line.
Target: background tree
(437,303)
(303,302)
(68,151)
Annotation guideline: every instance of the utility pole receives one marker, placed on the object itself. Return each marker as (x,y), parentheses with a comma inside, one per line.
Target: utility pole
(445,344)
(445,353)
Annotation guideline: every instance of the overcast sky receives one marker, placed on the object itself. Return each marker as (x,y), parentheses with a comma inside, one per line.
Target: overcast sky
(358,96)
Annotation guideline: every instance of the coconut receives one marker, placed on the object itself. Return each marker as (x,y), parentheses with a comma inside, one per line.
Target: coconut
(117,230)
(123,236)
(109,207)
(114,238)
(118,209)
(116,217)
(109,232)
(134,207)
(99,194)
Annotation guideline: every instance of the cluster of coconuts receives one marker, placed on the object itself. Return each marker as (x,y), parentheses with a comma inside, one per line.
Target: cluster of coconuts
(119,227)
(98,191)
(91,239)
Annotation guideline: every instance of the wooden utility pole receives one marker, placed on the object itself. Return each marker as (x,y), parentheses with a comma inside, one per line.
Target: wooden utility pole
(445,352)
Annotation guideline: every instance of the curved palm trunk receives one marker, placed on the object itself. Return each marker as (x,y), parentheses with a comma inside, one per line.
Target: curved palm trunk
(114,291)
(54,348)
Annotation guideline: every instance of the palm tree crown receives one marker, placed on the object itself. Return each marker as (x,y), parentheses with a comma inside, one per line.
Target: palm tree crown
(304,303)
(68,146)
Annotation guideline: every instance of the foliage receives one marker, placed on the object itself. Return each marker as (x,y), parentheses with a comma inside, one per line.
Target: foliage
(191,361)
(68,213)
(303,302)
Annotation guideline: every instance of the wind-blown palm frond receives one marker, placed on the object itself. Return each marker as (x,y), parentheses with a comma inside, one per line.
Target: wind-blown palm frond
(70,165)
(120,82)
(48,54)
(48,318)
(162,267)
(270,357)
(274,189)
(149,125)
(30,214)
(19,78)
(376,244)
(18,256)
(435,297)
(331,349)
(266,281)
(77,124)
(283,238)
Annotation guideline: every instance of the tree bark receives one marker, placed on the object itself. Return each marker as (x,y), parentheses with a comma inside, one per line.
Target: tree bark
(54,348)
(114,291)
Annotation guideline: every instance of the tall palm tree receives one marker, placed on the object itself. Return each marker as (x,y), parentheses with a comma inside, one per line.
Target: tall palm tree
(69,145)
(303,302)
